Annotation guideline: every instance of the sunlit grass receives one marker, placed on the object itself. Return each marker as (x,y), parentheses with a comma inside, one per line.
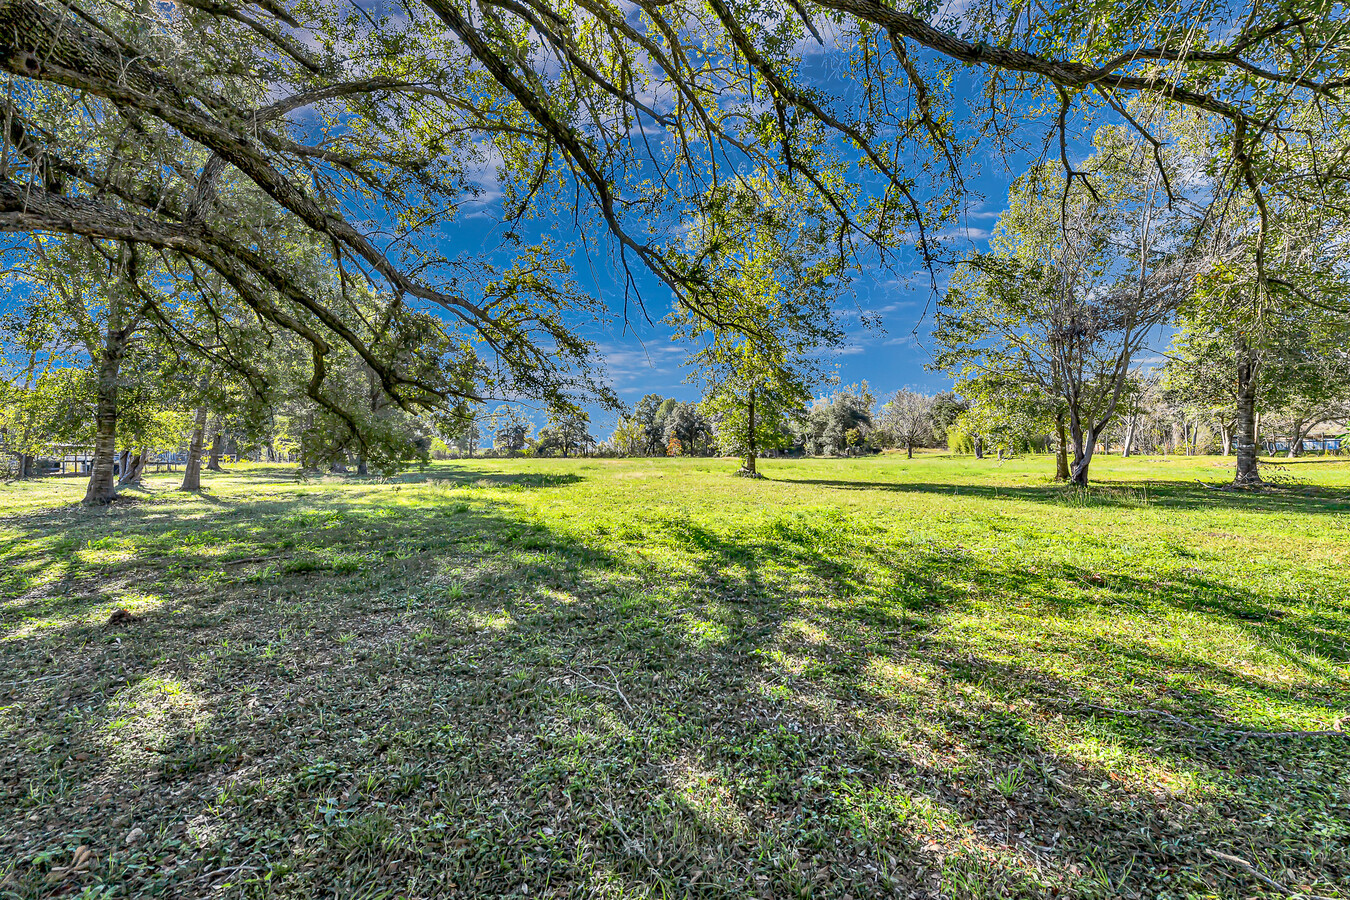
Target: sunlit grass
(865,677)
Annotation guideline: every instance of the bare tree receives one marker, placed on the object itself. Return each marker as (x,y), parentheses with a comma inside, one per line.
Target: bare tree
(908,418)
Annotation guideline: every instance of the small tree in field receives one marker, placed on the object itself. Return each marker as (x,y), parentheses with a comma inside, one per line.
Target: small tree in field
(908,419)
(775,286)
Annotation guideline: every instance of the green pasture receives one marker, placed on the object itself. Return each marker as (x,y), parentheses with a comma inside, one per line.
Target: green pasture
(648,678)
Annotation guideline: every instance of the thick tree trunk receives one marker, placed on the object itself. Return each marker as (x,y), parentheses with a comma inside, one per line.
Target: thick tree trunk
(1296,439)
(101,489)
(1078,472)
(361,468)
(214,462)
(192,474)
(1062,451)
(1245,436)
(1129,436)
(909,451)
(134,469)
(1084,443)
(979,448)
(751,451)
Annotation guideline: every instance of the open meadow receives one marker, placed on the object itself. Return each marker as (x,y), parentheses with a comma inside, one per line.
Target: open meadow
(600,678)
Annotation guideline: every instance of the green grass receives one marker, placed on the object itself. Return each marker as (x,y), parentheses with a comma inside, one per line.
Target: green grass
(605,678)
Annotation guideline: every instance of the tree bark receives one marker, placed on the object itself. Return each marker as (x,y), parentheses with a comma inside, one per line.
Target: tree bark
(1084,443)
(361,468)
(102,490)
(909,451)
(131,472)
(192,474)
(1226,438)
(1062,451)
(1247,472)
(1078,472)
(214,462)
(979,448)
(751,451)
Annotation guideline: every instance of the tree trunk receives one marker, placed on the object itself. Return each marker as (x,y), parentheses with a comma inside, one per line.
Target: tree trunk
(1129,436)
(909,451)
(1062,453)
(1296,439)
(1226,438)
(361,468)
(1247,472)
(1084,443)
(214,462)
(134,469)
(751,450)
(101,489)
(979,448)
(192,474)
(1078,472)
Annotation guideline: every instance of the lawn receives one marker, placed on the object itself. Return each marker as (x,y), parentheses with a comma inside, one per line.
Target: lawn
(629,678)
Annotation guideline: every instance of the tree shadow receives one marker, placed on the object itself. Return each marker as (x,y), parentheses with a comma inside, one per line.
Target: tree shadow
(464,476)
(1132,494)
(455,698)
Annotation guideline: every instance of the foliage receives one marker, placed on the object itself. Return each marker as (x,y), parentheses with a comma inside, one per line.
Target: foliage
(567,433)
(771,297)
(828,421)
(1078,280)
(510,428)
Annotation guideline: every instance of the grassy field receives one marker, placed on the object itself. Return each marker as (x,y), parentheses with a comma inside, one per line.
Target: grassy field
(604,678)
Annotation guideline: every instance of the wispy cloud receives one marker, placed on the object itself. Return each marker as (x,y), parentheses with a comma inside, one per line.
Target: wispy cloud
(638,366)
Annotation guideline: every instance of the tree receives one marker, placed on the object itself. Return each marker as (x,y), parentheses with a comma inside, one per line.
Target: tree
(908,419)
(629,437)
(225,184)
(649,418)
(947,407)
(566,432)
(226,151)
(1077,282)
(1302,373)
(688,431)
(510,429)
(829,420)
(772,288)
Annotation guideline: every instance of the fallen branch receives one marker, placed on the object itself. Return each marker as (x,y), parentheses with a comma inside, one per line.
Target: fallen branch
(1261,876)
(604,687)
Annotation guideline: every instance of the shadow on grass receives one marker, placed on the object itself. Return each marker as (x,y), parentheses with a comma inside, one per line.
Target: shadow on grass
(465,475)
(1135,494)
(321,694)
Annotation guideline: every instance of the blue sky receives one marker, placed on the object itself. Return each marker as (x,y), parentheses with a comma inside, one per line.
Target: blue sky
(641,358)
